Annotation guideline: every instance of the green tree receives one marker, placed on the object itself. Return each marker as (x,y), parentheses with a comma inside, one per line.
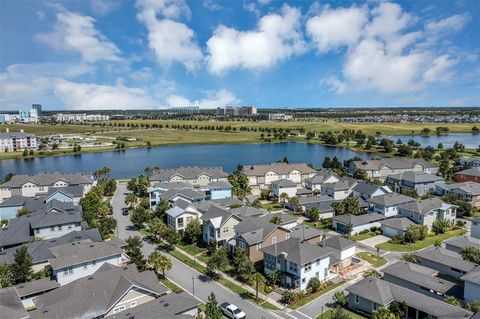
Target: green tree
(240,185)
(22,267)
(212,308)
(90,205)
(294,203)
(159,262)
(134,251)
(283,198)
(217,262)
(372,273)
(471,254)
(256,203)
(340,298)
(314,214)
(452,300)
(6,275)
(277,220)
(23,211)
(157,227)
(398,308)
(410,257)
(243,265)
(474,306)
(132,185)
(383,313)
(193,231)
(161,209)
(259,280)
(139,216)
(339,313)
(142,185)
(107,226)
(360,174)
(172,238)
(314,284)
(440,226)
(349,229)
(264,193)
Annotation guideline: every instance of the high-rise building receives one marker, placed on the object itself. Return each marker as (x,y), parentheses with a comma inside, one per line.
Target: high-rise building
(38,107)
(28,116)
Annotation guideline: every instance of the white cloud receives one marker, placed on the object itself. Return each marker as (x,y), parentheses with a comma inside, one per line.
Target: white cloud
(453,23)
(103,7)
(76,33)
(211,5)
(334,28)
(214,99)
(95,96)
(388,20)
(171,41)
(440,70)
(276,38)
(335,84)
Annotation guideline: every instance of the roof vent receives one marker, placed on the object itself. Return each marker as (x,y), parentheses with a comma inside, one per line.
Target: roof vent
(166,304)
(90,277)
(44,310)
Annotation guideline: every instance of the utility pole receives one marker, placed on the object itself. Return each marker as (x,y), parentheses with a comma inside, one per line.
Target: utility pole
(193,286)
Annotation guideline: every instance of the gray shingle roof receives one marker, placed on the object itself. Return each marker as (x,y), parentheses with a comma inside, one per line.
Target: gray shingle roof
(423,206)
(367,188)
(4,135)
(470,188)
(73,191)
(284,183)
(170,306)
(253,230)
(219,184)
(14,201)
(279,168)
(475,171)
(343,183)
(216,212)
(188,172)
(305,232)
(248,211)
(445,257)
(393,162)
(472,276)
(391,199)
(416,177)
(321,176)
(297,251)
(95,295)
(400,223)
(358,219)
(338,242)
(382,293)
(11,306)
(420,275)
(36,286)
(48,179)
(462,242)
(80,252)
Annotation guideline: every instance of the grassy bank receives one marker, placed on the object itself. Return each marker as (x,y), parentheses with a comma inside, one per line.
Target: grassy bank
(429,241)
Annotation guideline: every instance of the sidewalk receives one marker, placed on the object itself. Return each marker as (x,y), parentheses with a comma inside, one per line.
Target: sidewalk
(234,281)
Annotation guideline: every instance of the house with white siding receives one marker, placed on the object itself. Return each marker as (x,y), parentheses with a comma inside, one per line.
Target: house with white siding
(193,175)
(387,204)
(420,182)
(341,189)
(219,225)
(281,186)
(382,168)
(181,214)
(427,211)
(315,182)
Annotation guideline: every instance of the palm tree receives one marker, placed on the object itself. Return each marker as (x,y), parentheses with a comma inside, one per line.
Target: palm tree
(283,198)
(383,313)
(259,279)
(130,200)
(295,202)
(159,262)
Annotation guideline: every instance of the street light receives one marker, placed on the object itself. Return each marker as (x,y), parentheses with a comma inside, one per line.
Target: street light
(193,286)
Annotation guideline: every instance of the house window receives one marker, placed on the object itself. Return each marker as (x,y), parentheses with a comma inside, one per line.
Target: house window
(37,231)
(225,229)
(52,228)
(357,299)
(304,280)
(119,309)
(68,271)
(375,306)
(59,228)
(133,304)
(317,262)
(325,273)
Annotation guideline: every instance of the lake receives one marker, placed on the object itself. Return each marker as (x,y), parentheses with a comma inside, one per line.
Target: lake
(467,139)
(129,163)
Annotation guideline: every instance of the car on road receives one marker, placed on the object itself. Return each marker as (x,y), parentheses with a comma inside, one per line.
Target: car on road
(125,211)
(231,311)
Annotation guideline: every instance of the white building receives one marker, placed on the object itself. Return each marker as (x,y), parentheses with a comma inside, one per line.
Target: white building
(29,116)
(17,141)
(83,117)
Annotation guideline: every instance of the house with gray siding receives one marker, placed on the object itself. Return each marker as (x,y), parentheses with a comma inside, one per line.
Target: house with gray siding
(315,182)
(427,211)
(382,168)
(419,182)
(366,190)
(466,191)
(395,226)
(445,261)
(370,294)
(193,175)
(472,285)
(358,222)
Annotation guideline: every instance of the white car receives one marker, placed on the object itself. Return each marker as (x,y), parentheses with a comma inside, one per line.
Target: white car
(232,311)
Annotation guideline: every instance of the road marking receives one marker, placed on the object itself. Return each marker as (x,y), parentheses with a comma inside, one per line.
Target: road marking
(304,314)
(290,315)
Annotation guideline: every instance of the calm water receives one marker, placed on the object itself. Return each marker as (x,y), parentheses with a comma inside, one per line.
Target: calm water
(125,164)
(467,139)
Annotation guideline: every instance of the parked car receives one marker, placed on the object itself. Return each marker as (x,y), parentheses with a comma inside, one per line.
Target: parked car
(125,211)
(232,311)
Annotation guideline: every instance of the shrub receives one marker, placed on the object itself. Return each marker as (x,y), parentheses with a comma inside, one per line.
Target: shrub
(268,289)
(373,228)
(314,284)
(365,231)
(378,232)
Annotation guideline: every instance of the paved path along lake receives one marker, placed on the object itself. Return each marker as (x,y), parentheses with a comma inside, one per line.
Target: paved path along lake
(128,163)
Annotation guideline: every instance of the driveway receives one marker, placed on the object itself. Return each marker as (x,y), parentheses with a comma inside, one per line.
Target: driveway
(374,241)
(184,276)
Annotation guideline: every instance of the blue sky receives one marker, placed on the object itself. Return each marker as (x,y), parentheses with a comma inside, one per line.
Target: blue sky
(158,53)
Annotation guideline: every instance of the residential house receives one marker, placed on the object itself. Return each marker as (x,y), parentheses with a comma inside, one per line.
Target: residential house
(261,176)
(252,234)
(11,306)
(50,220)
(67,194)
(218,190)
(382,168)
(468,162)
(471,281)
(427,211)
(343,252)
(181,214)
(468,175)
(110,290)
(315,182)
(226,203)
(297,261)
(30,290)
(421,279)
(40,249)
(475,228)
(357,222)
(17,141)
(466,191)
(447,262)
(285,220)
(219,225)
(157,190)
(40,184)
(81,259)
(307,234)
(369,294)
(458,243)
(249,211)
(420,182)
(367,190)
(281,186)
(194,175)
(341,189)
(323,204)
(396,226)
(387,204)
(170,306)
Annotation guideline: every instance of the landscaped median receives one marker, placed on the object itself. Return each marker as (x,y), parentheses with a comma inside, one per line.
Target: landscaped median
(309,297)
(420,244)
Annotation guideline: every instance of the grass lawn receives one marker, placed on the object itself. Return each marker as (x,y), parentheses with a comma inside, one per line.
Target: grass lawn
(324,224)
(362,236)
(186,260)
(191,249)
(170,285)
(374,260)
(422,243)
(246,294)
(352,315)
(273,206)
(313,296)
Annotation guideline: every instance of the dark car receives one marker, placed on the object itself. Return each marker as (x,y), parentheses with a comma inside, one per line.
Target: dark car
(125,211)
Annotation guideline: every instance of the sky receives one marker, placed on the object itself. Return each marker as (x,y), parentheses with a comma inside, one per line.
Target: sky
(122,54)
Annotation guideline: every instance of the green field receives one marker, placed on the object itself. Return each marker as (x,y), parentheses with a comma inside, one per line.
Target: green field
(429,241)
(374,260)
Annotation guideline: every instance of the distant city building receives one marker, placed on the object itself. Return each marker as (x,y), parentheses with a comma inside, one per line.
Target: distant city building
(16,141)
(184,110)
(279,117)
(8,118)
(63,117)
(237,111)
(29,115)
(38,107)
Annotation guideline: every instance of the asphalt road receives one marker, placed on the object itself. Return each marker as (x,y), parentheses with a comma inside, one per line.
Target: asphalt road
(183,275)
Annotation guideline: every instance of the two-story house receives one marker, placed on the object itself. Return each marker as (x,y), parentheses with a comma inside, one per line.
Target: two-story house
(341,189)
(297,261)
(81,259)
(181,214)
(315,182)
(445,261)
(382,168)
(219,225)
(420,182)
(427,211)
(194,175)
(281,186)
(468,175)
(387,204)
(466,191)
(366,190)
